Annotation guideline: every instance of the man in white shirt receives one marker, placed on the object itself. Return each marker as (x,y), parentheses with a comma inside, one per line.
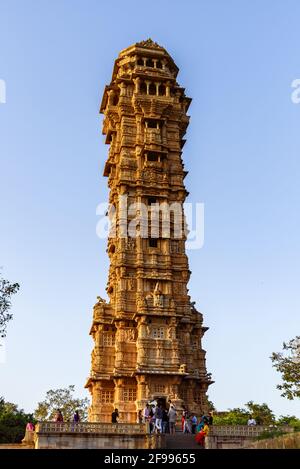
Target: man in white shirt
(251,421)
(172,419)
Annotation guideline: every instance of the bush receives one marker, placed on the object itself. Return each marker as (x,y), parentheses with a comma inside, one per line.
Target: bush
(12,422)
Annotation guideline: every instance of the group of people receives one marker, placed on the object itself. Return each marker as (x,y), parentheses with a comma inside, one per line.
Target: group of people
(163,420)
(190,423)
(58,417)
(202,428)
(160,419)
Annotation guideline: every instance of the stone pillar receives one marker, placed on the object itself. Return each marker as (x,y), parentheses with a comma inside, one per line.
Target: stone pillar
(137,83)
(168,89)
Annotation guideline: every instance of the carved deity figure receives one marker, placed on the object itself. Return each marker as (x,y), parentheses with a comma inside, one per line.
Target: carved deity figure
(158,297)
(131,284)
(159,350)
(130,245)
(141,303)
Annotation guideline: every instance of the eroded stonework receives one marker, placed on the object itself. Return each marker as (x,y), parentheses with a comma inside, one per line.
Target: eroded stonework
(148,335)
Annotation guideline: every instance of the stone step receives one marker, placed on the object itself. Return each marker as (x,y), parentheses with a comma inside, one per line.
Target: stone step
(15,446)
(181,441)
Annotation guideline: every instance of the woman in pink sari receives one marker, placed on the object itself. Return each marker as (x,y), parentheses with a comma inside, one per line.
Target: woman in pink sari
(29,434)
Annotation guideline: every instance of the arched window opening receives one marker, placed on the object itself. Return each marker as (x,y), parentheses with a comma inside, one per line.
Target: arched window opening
(152,242)
(162,90)
(152,89)
(143,88)
(149,63)
(151,156)
(152,124)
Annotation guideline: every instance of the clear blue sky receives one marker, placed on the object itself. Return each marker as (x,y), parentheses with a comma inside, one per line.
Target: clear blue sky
(237,60)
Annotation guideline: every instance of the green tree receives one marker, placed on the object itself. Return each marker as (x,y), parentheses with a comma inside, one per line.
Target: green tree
(288,364)
(12,422)
(240,416)
(7,290)
(290,420)
(236,416)
(261,413)
(64,400)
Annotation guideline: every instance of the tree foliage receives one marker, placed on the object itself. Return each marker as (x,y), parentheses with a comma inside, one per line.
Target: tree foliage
(12,422)
(64,400)
(236,416)
(7,290)
(288,364)
(290,420)
(261,413)
(240,416)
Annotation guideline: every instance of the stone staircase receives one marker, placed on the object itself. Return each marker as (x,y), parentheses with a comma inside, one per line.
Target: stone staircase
(181,441)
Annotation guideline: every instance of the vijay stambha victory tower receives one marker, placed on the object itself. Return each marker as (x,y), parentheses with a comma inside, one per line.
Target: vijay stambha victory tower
(148,335)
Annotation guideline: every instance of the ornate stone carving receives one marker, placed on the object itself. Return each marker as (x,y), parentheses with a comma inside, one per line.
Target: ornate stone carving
(130,244)
(148,336)
(149,44)
(158,297)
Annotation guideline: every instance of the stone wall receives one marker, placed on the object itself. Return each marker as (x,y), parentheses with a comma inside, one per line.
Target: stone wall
(237,436)
(51,435)
(92,441)
(291,441)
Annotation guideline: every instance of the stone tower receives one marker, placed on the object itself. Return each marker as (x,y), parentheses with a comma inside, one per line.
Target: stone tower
(148,335)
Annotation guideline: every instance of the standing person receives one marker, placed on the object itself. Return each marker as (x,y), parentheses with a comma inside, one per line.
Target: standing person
(183,418)
(76,420)
(115,416)
(152,419)
(146,414)
(210,418)
(29,434)
(251,422)
(194,422)
(139,417)
(186,423)
(158,418)
(165,422)
(172,414)
(200,437)
(76,417)
(201,423)
(59,416)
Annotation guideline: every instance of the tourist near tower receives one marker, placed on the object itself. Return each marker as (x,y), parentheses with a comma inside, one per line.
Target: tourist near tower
(148,334)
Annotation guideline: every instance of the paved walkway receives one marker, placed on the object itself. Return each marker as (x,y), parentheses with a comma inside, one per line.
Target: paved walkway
(15,446)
